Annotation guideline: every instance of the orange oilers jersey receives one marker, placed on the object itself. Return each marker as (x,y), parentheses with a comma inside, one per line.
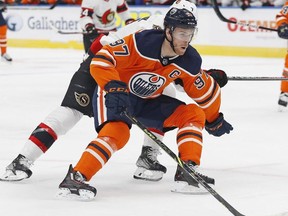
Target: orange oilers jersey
(282,16)
(136,60)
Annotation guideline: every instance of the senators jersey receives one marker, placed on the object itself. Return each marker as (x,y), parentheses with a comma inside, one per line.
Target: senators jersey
(136,60)
(102,13)
(282,16)
(154,21)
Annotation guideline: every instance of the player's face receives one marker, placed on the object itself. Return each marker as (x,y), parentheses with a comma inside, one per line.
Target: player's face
(181,39)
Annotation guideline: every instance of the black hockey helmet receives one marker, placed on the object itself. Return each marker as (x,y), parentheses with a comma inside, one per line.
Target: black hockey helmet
(182,18)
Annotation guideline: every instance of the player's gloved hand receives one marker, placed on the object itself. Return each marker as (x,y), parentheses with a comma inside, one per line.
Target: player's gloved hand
(3,7)
(116,98)
(219,76)
(218,127)
(283,31)
(90,28)
(91,32)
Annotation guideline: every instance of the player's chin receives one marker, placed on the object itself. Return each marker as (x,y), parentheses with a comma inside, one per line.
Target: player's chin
(181,50)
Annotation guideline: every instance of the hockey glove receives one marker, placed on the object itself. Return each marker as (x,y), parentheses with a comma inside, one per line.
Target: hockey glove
(90,28)
(91,32)
(219,76)
(218,127)
(283,31)
(116,98)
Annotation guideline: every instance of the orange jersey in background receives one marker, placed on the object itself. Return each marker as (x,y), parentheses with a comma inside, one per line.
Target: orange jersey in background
(282,17)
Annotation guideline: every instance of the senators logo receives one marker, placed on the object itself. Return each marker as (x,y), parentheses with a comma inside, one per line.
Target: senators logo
(82,99)
(107,17)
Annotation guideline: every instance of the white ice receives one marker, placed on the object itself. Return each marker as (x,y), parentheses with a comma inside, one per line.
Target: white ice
(250,165)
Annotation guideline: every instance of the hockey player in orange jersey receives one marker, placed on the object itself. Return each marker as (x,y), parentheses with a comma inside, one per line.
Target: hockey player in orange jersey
(282,24)
(3,34)
(133,73)
(78,102)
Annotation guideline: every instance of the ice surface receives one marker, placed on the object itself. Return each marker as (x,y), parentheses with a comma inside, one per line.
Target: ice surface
(250,165)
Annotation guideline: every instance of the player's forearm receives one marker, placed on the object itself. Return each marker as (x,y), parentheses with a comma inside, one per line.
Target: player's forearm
(102,75)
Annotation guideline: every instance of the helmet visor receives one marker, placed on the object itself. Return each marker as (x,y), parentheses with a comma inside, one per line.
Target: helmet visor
(184,34)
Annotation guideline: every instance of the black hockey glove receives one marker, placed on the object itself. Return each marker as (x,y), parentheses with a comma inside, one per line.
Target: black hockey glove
(219,76)
(90,28)
(91,31)
(3,7)
(218,127)
(283,31)
(116,98)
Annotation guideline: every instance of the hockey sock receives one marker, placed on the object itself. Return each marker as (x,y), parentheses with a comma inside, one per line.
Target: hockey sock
(284,84)
(189,141)
(112,137)
(3,39)
(40,140)
(43,136)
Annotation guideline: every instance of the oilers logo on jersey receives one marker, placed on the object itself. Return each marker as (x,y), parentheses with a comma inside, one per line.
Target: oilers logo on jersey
(145,84)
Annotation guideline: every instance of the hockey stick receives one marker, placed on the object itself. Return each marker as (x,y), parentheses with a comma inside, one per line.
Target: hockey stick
(66,32)
(190,171)
(79,32)
(224,19)
(25,7)
(241,78)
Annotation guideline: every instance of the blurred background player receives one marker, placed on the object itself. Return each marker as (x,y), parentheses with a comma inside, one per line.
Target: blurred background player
(282,24)
(3,34)
(255,3)
(147,62)
(98,17)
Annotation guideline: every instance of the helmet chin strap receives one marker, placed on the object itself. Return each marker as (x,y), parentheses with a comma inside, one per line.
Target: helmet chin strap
(171,42)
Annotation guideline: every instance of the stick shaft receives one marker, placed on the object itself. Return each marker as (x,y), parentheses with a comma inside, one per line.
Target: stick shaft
(224,19)
(190,171)
(243,78)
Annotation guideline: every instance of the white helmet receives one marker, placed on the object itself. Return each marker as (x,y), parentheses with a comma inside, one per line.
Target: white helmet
(184,4)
